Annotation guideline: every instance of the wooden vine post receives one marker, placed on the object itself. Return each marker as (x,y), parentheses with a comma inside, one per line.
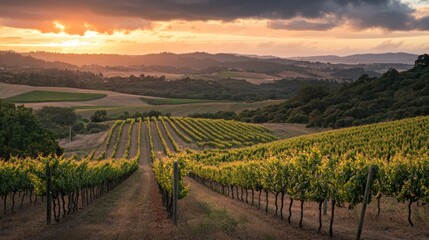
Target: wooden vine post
(175,190)
(48,193)
(365,201)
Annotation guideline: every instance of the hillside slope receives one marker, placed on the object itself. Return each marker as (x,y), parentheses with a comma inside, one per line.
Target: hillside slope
(394,95)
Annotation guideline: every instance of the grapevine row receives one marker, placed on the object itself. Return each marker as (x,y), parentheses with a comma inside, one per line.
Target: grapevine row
(151,147)
(108,140)
(222,134)
(188,129)
(173,142)
(163,142)
(71,180)
(178,132)
(118,139)
(129,137)
(139,140)
(163,171)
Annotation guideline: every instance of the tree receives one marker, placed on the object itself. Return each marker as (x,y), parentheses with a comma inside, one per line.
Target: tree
(422,60)
(99,116)
(22,135)
(57,115)
(58,120)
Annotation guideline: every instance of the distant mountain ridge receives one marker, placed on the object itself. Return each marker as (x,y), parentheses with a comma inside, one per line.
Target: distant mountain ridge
(208,59)
(370,58)
(199,65)
(13,59)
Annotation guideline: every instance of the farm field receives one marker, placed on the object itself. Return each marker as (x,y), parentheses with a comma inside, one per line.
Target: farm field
(111,99)
(47,96)
(173,101)
(134,208)
(252,77)
(117,103)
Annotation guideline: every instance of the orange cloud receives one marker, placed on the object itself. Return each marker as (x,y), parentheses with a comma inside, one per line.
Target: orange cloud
(77,24)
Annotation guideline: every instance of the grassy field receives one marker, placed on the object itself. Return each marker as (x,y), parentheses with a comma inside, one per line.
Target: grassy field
(184,109)
(173,101)
(49,96)
(93,107)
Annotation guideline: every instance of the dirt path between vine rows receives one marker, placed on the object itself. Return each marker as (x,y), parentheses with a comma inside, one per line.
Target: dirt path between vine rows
(159,149)
(123,141)
(134,140)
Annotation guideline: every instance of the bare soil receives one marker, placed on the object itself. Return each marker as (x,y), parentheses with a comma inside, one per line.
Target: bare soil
(22,222)
(83,144)
(144,145)
(159,149)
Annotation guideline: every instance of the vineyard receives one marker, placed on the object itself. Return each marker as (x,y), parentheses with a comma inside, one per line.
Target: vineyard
(332,165)
(237,160)
(193,133)
(77,182)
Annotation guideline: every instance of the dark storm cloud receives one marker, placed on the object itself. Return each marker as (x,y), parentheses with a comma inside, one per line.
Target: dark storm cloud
(300,25)
(387,14)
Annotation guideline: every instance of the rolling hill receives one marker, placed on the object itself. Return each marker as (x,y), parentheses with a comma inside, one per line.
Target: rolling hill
(13,59)
(394,95)
(198,65)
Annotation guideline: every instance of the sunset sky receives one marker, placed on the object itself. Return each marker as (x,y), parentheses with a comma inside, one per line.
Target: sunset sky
(265,27)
